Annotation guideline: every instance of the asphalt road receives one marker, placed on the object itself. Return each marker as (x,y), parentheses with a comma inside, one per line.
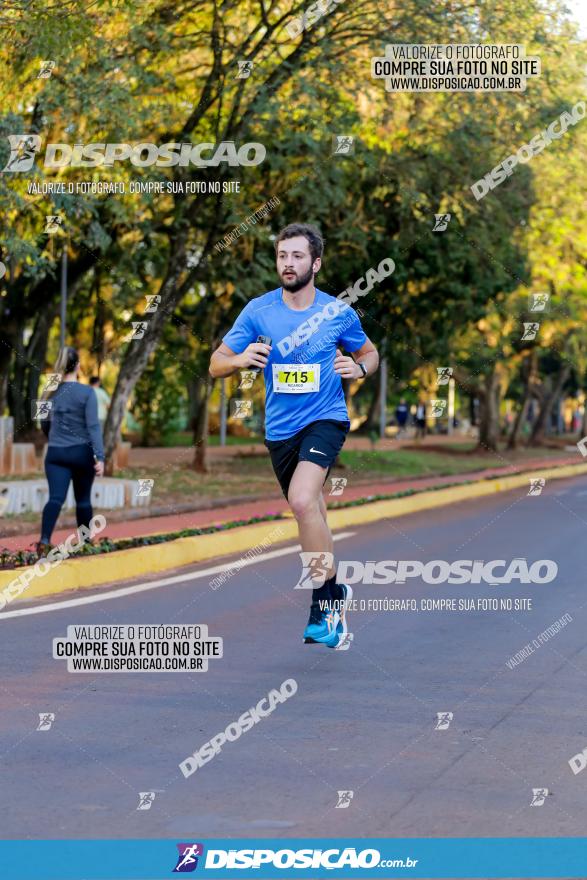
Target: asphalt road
(362,720)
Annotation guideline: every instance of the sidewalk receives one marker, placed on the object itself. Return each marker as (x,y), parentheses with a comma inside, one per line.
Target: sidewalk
(235,510)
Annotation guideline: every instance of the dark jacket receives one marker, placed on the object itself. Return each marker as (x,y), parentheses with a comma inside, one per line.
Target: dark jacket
(73,418)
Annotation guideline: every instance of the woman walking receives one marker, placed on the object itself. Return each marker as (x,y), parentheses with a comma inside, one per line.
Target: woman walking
(75,450)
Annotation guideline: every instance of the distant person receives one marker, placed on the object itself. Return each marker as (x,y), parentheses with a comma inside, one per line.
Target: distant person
(401,414)
(75,450)
(103,400)
(420,420)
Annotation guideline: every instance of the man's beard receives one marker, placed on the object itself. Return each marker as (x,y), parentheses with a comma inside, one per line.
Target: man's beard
(300,281)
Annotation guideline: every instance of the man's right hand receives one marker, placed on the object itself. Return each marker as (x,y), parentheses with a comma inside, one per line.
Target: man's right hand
(255,355)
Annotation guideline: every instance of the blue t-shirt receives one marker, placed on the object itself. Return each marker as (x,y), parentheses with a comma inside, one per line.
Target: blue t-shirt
(299,337)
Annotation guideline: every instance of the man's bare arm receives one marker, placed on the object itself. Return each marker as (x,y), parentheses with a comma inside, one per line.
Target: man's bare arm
(224,361)
(368,355)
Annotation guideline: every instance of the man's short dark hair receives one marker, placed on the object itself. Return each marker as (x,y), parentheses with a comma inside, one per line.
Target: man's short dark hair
(310,233)
(94,380)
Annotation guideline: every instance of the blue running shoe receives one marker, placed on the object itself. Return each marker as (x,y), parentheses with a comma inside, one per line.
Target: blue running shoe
(344,637)
(322,626)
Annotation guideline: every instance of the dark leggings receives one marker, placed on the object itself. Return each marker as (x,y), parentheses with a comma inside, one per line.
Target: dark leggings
(62,464)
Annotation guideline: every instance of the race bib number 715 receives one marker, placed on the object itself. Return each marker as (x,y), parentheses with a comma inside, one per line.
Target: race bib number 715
(296,378)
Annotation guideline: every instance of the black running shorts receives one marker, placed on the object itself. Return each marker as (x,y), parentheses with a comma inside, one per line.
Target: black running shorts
(319,442)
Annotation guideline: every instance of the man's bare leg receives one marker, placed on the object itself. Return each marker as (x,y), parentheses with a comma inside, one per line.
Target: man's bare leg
(327,624)
(309,508)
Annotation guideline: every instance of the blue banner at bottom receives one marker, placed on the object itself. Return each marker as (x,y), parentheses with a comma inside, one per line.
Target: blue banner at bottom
(481,857)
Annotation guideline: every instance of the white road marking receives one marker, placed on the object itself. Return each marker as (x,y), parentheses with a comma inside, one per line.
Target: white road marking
(153,585)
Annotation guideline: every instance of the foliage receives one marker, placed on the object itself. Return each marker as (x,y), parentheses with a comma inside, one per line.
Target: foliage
(133,72)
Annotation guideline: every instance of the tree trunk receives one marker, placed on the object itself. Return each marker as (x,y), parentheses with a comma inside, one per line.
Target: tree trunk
(139,350)
(98,341)
(37,357)
(530,371)
(473,409)
(3,392)
(372,420)
(193,401)
(6,350)
(540,425)
(137,355)
(16,392)
(200,423)
(489,398)
(584,420)
(514,438)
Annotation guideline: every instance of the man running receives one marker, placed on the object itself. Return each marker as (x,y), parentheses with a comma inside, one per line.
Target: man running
(306,418)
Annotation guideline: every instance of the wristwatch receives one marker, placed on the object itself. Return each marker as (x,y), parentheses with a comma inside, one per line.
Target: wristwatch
(363,369)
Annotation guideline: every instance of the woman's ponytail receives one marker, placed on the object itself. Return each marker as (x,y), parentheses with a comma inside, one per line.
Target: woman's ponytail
(67,361)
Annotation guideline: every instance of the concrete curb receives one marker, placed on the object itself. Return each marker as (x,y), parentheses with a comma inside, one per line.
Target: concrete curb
(122,565)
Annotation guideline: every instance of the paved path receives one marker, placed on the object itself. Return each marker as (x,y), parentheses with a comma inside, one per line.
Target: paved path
(362,720)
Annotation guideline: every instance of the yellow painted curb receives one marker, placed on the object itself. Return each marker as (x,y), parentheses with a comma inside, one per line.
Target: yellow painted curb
(121,565)
(439,497)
